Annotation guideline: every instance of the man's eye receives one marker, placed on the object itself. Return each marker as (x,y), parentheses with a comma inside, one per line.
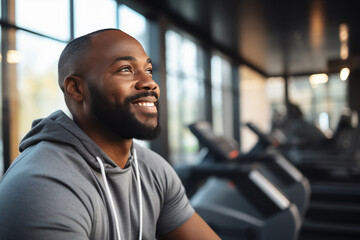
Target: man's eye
(124,69)
(149,71)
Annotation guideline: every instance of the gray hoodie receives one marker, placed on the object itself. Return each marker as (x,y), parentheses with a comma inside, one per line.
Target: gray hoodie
(55,189)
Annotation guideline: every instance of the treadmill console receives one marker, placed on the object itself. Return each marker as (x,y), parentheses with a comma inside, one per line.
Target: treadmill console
(225,148)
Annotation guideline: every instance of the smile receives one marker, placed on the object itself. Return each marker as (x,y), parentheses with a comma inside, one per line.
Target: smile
(145,104)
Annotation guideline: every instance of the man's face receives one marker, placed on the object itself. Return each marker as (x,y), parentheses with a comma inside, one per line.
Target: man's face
(123,97)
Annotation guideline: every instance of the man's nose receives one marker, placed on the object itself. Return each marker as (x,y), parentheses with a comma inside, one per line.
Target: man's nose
(146,82)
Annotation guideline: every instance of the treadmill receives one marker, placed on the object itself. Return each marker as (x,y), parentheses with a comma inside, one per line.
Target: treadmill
(237,200)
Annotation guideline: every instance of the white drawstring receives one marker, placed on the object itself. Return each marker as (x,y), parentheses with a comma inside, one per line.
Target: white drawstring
(111,198)
(139,193)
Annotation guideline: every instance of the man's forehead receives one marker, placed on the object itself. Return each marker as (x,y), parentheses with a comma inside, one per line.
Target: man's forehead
(118,42)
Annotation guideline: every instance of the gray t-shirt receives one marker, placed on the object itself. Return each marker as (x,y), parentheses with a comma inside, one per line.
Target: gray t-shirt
(54,189)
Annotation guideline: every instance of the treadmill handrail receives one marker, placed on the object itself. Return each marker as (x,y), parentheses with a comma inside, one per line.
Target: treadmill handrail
(269,189)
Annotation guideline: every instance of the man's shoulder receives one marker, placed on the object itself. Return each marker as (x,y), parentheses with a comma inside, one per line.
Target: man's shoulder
(45,153)
(46,161)
(48,193)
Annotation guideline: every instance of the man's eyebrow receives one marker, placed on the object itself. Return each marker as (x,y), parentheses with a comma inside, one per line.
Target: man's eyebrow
(124,58)
(129,58)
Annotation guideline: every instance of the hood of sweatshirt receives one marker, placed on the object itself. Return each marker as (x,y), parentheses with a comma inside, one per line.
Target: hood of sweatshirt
(59,128)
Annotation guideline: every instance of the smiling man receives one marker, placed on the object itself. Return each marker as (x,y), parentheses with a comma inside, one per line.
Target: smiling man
(84,178)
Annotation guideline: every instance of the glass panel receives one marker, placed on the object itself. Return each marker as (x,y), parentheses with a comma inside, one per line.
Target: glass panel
(222,95)
(321,104)
(217,110)
(337,93)
(300,91)
(44,16)
(173,40)
(185,93)
(191,60)
(133,24)
(94,15)
(37,85)
(275,92)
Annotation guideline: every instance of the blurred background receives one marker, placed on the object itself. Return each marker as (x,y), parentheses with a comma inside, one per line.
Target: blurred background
(224,61)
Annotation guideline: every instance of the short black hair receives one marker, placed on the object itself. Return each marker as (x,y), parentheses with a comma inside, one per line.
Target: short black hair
(73,52)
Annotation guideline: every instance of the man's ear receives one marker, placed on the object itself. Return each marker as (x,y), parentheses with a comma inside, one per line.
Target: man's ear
(74,88)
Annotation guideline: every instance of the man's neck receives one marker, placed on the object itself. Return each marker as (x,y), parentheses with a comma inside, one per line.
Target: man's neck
(118,151)
(116,148)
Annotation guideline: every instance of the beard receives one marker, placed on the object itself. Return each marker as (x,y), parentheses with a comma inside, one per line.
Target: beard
(118,119)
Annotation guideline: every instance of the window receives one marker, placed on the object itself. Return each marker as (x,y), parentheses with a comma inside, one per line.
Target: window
(46,17)
(94,15)
(275,93)
(185,94)
(37,92)
(321,104)
(134,24)
(222,96)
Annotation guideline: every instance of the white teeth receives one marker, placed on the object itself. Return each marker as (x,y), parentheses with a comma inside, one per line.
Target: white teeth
(145,104)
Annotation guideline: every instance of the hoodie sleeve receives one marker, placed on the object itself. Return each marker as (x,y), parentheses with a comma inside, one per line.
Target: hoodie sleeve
(35,204)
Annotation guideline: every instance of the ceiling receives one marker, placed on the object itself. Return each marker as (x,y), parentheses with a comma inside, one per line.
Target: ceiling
(275,37)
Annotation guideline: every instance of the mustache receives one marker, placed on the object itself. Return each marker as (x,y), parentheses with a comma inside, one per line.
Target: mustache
(140,95)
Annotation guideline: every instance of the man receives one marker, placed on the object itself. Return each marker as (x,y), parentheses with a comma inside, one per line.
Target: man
(85,178)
